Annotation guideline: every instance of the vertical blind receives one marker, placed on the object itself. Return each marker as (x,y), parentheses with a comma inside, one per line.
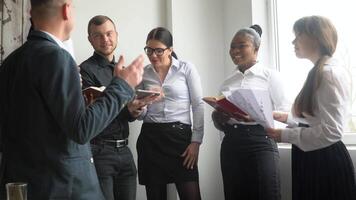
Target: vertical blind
(14,25)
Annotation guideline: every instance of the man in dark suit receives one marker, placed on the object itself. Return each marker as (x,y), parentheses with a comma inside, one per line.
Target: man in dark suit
(45,124)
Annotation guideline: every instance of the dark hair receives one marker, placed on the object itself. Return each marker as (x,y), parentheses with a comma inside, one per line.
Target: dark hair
(45,8)
(254,32)
(321,30)
(37,3)
(99,20)
(257,28)
(163,35)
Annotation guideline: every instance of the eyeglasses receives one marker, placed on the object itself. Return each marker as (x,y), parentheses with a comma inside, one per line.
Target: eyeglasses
(158,51)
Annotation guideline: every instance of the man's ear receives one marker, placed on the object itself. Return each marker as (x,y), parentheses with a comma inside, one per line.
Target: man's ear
(66,11)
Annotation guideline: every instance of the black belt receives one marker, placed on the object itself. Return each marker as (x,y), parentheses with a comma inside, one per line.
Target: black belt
(303,125)
(113,143)
(178,125)
(251,129)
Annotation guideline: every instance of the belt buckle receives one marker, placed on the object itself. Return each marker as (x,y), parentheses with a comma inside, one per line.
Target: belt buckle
(121,143)
(179,125)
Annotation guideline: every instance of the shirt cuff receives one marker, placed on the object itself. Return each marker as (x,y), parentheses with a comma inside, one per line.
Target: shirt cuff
(290,135)
(197,137)
(290,121)
(285,136)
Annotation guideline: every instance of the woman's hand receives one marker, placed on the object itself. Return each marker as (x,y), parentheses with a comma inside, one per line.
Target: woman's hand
(191,155)
(280,116)
(274,134)
(219,119)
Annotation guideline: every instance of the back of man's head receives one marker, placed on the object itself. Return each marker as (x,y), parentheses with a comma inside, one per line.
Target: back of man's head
(97,21)
(45,8)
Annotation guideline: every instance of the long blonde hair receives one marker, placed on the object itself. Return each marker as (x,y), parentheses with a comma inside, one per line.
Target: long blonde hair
(324,33)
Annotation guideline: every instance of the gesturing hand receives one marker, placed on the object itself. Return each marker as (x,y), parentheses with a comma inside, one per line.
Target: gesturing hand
(132,74)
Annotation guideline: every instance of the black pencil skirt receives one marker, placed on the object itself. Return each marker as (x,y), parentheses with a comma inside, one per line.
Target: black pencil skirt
(159,149)
(324,174)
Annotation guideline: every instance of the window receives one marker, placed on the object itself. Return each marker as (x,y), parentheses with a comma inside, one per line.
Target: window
(341,13)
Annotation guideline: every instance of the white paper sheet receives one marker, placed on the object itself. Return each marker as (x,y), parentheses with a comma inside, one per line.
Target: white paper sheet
(257,103)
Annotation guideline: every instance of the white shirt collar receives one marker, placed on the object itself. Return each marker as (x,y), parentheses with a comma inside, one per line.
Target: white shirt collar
(66,45)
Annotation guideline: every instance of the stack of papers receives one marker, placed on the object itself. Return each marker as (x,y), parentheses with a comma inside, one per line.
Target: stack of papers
(256,103)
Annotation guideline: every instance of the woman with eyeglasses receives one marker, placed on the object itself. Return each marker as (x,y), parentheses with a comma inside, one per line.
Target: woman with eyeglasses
(168,145)
(321,165)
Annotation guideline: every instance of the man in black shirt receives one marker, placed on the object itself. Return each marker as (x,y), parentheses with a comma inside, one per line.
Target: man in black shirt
(112,158)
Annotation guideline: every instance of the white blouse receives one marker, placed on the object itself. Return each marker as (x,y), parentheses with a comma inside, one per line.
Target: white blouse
(182,97)
(258,77)
(330,114)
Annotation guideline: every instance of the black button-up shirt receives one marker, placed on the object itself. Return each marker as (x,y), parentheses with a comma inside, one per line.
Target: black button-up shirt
(98,71)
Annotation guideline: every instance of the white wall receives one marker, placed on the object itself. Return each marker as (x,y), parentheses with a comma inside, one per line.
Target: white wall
(237,14)
(133,18)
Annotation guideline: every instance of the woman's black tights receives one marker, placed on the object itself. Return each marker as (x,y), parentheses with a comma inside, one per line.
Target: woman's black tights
(186,191)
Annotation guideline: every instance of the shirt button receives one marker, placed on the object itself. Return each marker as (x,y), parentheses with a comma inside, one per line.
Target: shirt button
(235,126)
(91,160)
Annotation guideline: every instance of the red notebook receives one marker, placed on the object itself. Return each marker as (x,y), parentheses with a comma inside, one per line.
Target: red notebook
(92,92)
(223,105)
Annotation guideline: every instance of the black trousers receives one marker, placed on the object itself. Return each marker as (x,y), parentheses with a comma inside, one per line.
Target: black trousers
(249,164)
(116,171)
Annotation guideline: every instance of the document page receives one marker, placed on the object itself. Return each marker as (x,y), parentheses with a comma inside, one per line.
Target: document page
(255,102)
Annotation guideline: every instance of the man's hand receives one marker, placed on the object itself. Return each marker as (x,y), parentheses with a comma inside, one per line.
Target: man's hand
(89,99)
(132,74)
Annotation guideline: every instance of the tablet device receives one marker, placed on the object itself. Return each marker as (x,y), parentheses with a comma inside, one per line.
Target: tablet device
(144,93)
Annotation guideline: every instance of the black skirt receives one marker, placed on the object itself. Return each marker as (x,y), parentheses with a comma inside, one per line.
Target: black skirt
(159,149)
(324,174)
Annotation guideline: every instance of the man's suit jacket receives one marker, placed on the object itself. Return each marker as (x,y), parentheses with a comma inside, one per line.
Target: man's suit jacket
(45,124)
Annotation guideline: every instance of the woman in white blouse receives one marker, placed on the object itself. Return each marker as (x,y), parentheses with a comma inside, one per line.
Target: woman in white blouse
(321,165)
(168,145)
(249,159)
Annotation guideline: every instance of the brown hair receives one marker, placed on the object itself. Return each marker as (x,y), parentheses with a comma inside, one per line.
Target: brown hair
(99,20)
(324,33)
